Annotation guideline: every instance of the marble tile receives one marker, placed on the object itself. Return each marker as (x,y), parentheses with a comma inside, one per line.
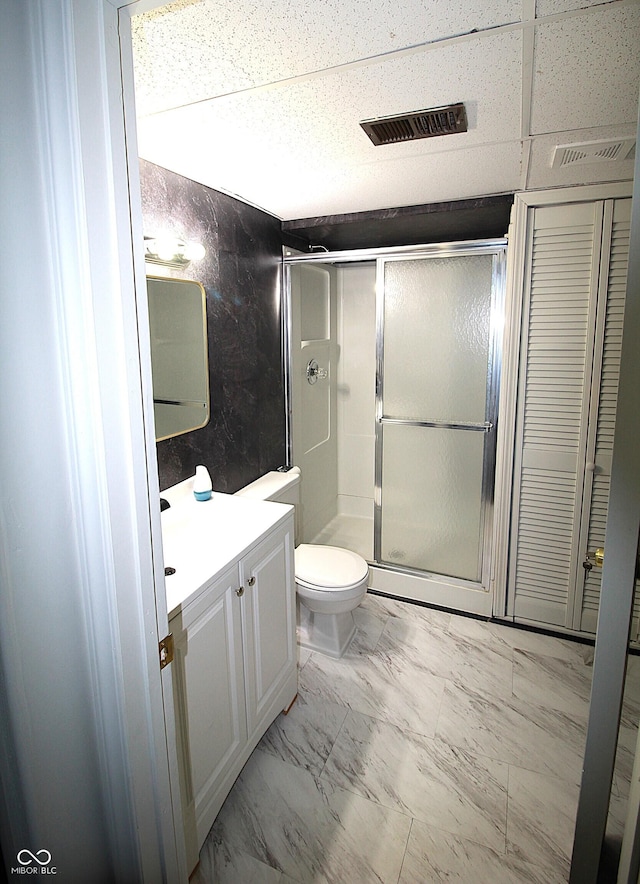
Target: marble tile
(466,733)
(369,626)
(303,655)
(306,734)
(219,865)
(406,610)
(546,740)
(309,830)
(502,635)
(632,684)
(434,855)
(625,753)
(617,815)
(563,684)
(384,687)
(422,777)
(239,273)
(541,818)
(437,652)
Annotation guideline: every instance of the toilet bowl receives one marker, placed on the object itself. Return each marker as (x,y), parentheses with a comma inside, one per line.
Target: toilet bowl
(330,581)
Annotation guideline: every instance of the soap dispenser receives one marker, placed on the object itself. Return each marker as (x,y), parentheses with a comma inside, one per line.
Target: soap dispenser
(202,484)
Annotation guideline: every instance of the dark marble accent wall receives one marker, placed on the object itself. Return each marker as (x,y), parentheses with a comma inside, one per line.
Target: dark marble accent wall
(245,436)
(478,218)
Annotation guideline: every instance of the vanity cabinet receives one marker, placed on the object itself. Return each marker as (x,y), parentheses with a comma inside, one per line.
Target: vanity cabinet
(234,671)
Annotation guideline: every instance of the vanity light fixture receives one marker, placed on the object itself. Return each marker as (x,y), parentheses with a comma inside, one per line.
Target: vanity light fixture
(172,250)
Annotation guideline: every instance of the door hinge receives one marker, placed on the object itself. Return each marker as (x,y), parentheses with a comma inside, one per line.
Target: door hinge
(165,648)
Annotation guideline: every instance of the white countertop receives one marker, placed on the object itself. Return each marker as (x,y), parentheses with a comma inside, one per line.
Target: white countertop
(201,539)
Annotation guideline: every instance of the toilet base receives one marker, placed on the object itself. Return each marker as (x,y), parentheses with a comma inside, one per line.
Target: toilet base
(329,634)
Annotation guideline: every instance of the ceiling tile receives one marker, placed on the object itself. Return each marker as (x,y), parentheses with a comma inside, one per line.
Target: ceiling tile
(272,95)
(238,142)
(552,7)
(587,70)
(404,181)
(541,174)
(190,52)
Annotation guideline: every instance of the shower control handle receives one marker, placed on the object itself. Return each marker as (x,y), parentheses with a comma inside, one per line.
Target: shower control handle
(314,372)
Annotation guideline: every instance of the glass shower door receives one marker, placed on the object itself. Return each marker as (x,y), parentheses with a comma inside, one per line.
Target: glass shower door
(436,399)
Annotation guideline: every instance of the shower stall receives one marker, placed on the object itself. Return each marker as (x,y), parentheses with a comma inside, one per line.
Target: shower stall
(393,361)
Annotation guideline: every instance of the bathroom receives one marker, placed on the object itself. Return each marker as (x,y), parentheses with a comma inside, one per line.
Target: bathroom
(243,385)
(112,467)
(327,425)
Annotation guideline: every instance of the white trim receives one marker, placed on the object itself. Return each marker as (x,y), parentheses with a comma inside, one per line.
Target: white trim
(582,194)
(79,627)
(616,600)
(505,441)
(431,591)
(157,794)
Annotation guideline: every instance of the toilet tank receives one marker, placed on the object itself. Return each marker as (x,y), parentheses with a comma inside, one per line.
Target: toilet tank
(281,487)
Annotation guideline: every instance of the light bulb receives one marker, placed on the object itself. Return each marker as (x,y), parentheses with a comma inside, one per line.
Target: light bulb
(194,251)
(165,248)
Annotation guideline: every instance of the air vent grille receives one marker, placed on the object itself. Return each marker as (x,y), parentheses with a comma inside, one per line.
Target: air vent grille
(418,124)
(586,152)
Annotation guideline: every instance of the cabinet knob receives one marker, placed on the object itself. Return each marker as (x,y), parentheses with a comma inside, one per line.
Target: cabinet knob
(240,591)
(251,581)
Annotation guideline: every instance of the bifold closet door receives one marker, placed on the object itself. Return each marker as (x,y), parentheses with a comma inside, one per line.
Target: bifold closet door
(569,365)
(615,259)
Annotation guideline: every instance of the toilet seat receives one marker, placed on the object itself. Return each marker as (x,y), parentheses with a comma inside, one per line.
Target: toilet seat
(329,568)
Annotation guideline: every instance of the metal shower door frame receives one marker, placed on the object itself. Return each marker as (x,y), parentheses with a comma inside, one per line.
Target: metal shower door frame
(497,248)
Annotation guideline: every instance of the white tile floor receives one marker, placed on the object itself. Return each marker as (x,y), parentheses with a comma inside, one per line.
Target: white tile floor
(439,748)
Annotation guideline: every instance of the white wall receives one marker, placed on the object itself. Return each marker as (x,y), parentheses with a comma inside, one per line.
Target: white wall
(356,388)
(314,420)
(82,738)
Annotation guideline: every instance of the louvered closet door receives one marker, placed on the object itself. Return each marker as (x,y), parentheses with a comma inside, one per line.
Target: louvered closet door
(615,250)
(553,410)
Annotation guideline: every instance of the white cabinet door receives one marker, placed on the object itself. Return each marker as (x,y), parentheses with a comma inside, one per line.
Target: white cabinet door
(269,628)
(208,681)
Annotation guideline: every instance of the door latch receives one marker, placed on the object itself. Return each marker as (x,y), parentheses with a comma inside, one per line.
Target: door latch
(594,557)
(165,649)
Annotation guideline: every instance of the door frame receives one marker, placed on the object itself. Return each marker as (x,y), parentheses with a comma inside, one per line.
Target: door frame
(470,597)
(452,592)
(101,58)
(171,847)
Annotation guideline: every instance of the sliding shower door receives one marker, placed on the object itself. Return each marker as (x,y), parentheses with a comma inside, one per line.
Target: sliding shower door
(437,385)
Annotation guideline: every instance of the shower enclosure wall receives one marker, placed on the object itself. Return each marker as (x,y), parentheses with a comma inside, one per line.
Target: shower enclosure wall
(393,378)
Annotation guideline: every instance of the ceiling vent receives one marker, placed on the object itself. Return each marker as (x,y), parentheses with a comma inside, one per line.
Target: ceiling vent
(585,152)
(419,124)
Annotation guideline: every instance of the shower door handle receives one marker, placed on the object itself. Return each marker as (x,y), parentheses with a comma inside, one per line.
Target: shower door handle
(484,427)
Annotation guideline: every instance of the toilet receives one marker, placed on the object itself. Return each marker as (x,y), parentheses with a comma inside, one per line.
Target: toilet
(330,581)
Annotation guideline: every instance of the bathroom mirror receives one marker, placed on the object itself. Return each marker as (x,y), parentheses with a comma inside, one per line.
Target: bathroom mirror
(179,355)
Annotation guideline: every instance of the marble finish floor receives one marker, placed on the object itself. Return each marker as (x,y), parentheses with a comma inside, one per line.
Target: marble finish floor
(439,748)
